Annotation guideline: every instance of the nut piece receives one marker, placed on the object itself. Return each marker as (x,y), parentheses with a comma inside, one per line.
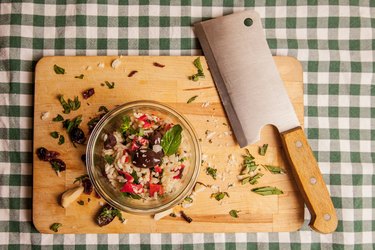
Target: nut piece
(71,195)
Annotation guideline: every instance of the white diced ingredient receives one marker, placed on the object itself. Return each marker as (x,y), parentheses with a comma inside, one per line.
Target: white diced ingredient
(116,63)
(44,115)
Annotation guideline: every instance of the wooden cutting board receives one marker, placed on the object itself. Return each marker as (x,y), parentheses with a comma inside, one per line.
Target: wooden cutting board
(169,85)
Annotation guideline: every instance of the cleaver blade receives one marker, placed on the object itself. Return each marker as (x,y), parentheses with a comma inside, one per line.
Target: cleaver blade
(253,95)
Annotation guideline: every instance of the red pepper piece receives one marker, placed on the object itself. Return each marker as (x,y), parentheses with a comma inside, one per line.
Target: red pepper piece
(156,188)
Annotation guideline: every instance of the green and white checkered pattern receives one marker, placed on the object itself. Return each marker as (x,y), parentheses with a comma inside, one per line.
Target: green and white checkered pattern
(334,40)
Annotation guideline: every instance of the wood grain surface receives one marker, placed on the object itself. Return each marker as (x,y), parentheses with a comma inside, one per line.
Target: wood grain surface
(169,85)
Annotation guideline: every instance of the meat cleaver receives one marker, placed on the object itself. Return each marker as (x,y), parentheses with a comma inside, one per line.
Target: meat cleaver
(253,95)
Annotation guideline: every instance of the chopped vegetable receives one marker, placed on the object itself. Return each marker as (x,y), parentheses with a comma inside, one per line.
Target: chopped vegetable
(187,218)
(199,74)
(219,195)
(188,199)
(133,196)
(156,64)
(211,172)
(234,213)
(132,73)
(263,149)
(70,105)
(107,214)
(109,159)
(252,179)
(110,85)
(55,227)
(248,162)
(81,202)
(267,190)
(54,134)
(274,169)
(126,121)
(171,140)
(80,76)
(192,99)
(88,93)
(61,140)
(58,70)
(58,118)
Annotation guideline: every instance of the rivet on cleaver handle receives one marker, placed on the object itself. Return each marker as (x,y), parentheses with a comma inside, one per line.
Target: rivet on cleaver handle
(254,95)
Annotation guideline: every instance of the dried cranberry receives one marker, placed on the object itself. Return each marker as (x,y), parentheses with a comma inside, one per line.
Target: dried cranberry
(58,165)
(77,135)
(87,93)
(46,155)
(87,186)
(110,142)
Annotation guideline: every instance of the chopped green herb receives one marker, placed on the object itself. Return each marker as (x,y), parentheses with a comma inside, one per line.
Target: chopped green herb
(212,172)
(110,85)
(126,121)
(81,178)
(70,124)
(64,104)
(234,213)
(263,149)
(107,214)
(55,227)
(74,105)
(186,217)
(267,190)
(199,74)
(219,195)
(58,118)
(61,140)
(274,169)
(80,76)
(252,179)
(248,162)
(54,134)
(171,140)
(188,199)
(225,124)
(104,109)
(109,159)
(192,99)
(70,105)
(81,202)
(133,196)
(135,176)
(58,70)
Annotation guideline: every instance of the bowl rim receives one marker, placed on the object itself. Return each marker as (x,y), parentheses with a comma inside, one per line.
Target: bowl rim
(128,106)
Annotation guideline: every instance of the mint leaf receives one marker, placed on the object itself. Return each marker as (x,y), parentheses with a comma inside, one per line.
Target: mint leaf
(126,121)
(55,226)
(267,190)
(172,140)
(234,213)
(58,118)
(109,159)
(192,99)
(54,134)
(263,149)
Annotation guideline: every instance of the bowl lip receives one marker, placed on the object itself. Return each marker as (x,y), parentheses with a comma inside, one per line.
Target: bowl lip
(95,135)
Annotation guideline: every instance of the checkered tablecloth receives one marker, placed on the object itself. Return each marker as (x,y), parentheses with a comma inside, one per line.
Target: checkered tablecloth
(334,40)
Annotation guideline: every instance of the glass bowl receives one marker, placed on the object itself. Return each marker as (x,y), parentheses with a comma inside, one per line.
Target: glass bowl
(96,164)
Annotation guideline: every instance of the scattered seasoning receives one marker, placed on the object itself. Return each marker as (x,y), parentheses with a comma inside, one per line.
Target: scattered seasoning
(46,155)
(58,70)
(61,140)
(219,195)
(55,227)
(200,139)
(58,118)
(80,76)
(267,190)
(81,202)
(106,215)
(199,74)
(192,99)
(234,213)
(248,162)
(187,218)
(70,105)
(274,169)
(109,85)
(263,149)
(156,64)
(54,134)
(173,215)
(225,124)
(58,165)
(211,172)
(88,93)
(132,73)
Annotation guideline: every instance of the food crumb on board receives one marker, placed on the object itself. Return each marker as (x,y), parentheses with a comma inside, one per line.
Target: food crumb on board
(116,63)
(88,68)
(205,104)
(44,115)
(101,65)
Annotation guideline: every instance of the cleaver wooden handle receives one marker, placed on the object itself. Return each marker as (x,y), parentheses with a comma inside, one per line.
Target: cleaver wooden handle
(310,181)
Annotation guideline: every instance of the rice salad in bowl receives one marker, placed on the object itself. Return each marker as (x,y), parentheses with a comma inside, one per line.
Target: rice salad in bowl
(143,157)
